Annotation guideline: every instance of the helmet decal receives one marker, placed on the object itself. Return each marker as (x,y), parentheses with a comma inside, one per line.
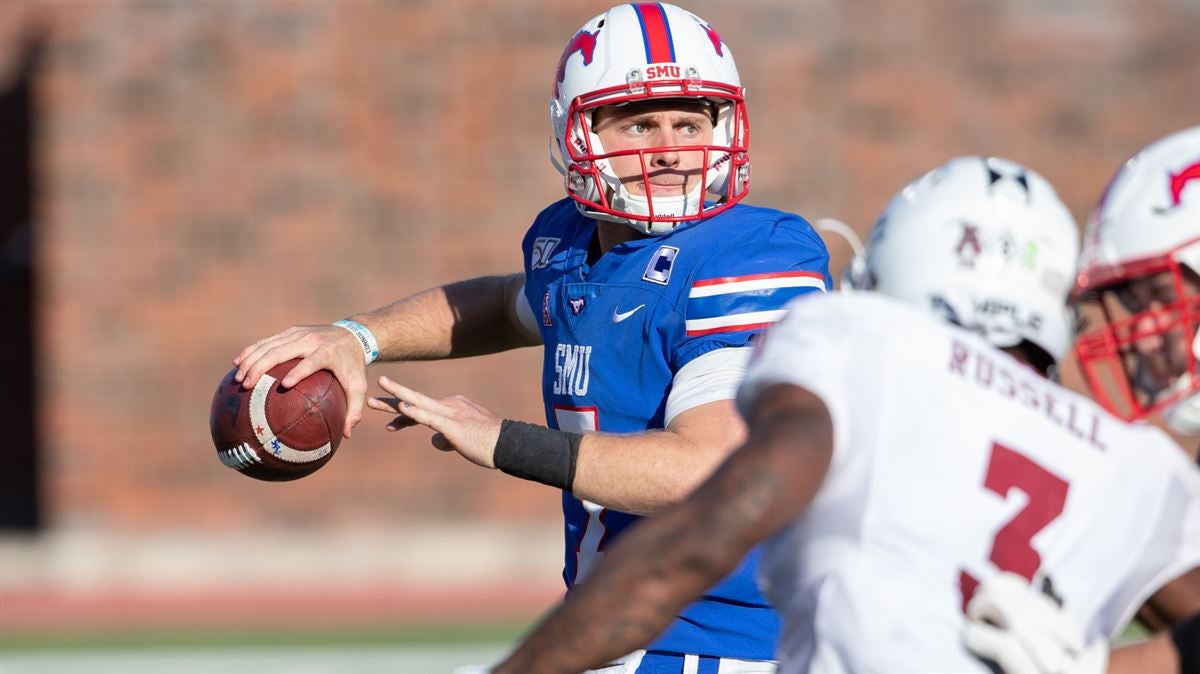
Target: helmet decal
(1180,180)
(714,37)
(584,43)
(968,248)
(996,176)
(656,32)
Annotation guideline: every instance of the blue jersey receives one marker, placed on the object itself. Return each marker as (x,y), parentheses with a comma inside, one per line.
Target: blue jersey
(617,331)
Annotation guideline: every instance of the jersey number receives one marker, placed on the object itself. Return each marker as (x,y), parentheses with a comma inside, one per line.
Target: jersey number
(1046,494)
(595,533)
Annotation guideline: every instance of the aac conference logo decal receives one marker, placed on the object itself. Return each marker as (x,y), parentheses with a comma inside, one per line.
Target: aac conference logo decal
(543,249)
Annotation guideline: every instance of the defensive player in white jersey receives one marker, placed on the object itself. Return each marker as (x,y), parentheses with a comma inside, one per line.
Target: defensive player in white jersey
(1141,266)
(899,456)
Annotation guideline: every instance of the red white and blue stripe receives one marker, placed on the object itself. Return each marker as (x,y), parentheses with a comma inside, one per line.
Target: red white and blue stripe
(656,32)
(736,303)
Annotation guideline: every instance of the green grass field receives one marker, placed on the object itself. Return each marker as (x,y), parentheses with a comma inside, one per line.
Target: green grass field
(403,650)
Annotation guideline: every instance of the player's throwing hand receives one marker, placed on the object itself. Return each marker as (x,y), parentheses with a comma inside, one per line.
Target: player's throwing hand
(459,424)
(319,347)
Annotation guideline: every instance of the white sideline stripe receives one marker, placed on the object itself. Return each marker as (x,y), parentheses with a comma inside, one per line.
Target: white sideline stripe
(750,318)
(258,419)
(757,284)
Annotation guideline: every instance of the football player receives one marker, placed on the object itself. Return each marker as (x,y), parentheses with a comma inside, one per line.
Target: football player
(905,446)
(1141,267)
(645,286)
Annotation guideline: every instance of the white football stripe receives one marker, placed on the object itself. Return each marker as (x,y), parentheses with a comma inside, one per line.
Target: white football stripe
(258,422)
(237,458)
(757,284)
(750,318)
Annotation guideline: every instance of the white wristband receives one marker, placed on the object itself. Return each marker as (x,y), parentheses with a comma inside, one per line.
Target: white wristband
(365,339)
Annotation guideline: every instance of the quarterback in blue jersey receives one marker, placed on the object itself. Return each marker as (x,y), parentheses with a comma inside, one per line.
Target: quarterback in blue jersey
(656,328)
(645,285)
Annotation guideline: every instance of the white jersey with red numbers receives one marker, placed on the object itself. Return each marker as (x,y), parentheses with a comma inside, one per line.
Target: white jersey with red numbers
(952,461)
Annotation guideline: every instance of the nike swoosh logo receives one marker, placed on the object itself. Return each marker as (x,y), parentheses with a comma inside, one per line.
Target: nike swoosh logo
(617,318)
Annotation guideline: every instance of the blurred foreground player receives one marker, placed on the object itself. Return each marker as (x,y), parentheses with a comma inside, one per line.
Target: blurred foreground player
(897,459)
(1141,265)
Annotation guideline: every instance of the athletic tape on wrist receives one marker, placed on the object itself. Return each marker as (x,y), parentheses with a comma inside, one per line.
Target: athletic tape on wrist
(365,339)
(537,453)
(1187,642)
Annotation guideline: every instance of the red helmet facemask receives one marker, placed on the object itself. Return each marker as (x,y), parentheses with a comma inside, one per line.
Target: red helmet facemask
(723,168)
(1142,360)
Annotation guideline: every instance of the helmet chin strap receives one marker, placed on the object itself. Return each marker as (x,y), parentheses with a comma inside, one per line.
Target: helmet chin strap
(676,205)
(1184,416)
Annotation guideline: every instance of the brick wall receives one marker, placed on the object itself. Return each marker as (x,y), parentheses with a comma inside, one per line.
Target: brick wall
(209,173)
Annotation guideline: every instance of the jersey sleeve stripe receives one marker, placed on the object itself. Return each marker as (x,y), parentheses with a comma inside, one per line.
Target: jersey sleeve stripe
(737,322)
(755,285)
(731,328)
(712,286)
(728,304)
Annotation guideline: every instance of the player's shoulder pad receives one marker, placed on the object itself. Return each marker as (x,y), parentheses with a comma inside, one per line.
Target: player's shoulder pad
(561,211)
(749,241)
(744,223)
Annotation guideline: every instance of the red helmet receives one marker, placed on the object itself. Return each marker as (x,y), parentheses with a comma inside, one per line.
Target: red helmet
(1140,261)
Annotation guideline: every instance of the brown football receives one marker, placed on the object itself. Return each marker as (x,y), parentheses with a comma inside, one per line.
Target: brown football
(277,434)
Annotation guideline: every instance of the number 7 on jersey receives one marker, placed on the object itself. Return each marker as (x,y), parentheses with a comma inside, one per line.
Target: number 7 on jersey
(595,535)
(1012,548)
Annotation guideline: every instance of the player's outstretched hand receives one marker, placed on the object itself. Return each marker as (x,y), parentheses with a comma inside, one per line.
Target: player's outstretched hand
(320,347)
(1024,631)
(458,424)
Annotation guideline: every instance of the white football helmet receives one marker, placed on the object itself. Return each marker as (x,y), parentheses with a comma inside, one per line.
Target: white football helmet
(987,244)
(637,52)
(1146,225)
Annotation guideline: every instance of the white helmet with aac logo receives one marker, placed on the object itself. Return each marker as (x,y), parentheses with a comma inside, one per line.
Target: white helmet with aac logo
(639,52)
(987,244)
